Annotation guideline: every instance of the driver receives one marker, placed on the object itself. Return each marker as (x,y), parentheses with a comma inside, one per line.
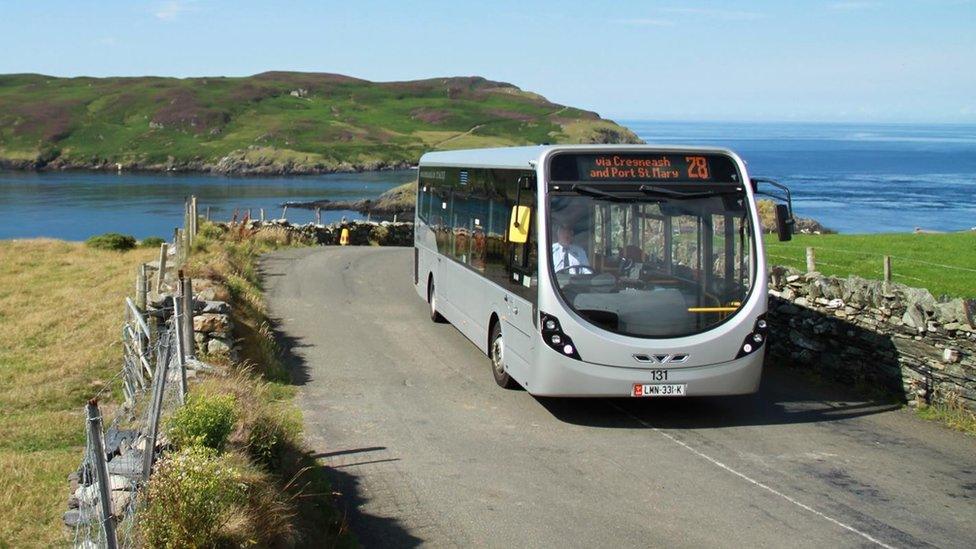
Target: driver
(565,254)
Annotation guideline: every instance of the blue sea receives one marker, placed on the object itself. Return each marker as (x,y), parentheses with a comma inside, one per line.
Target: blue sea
(853,178)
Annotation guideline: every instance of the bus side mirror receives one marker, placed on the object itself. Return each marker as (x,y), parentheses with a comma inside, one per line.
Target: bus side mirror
(518,225)
(784,223)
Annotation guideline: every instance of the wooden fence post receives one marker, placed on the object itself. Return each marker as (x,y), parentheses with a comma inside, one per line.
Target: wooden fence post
(318,216)
(161,273)
(208,213)
(187,295)
(156,407)
(141,287)
(97,439)
(194,217)
(887,268)
(262,215)
(284,213)
(811,260)
(179,332)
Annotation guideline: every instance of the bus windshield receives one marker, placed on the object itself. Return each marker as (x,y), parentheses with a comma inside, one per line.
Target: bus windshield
(651,260)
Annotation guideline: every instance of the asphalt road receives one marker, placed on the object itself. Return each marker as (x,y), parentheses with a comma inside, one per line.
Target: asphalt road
(427,450)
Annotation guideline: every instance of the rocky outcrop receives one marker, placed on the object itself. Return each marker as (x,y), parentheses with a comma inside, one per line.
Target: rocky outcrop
(871,333)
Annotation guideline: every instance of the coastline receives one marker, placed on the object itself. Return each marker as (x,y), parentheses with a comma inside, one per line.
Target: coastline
(223,167)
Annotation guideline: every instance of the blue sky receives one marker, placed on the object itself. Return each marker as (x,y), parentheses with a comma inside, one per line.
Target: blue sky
(853,60)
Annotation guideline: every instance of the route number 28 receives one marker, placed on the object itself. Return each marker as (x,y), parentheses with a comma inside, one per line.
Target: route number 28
(697,167)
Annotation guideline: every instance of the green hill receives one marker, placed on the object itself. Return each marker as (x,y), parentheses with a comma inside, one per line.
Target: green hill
(274,122)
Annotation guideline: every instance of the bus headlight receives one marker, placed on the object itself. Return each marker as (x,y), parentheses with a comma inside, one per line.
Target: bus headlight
(754,340)
(554,337)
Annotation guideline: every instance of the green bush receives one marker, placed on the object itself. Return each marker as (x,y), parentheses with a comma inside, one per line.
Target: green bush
(271,434)
(209,231)
(151,242)
(205,420)
(190,497)
(112,241)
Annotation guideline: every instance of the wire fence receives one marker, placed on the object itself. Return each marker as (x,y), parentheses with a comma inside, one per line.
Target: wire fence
(877,265)
(157,346)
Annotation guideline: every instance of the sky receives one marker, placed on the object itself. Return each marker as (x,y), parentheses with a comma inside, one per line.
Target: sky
(908,61)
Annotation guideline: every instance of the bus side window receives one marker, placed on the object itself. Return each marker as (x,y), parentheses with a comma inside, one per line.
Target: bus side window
(523,260)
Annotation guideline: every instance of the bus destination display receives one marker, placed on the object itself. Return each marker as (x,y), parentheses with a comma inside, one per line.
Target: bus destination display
(673,167)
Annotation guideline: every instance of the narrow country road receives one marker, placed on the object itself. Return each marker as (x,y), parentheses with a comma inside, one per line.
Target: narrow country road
(427,450)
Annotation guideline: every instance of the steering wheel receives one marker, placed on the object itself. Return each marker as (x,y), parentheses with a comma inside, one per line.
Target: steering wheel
(566,270)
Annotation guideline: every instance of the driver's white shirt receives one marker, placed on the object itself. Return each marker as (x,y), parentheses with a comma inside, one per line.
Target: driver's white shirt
(576,256)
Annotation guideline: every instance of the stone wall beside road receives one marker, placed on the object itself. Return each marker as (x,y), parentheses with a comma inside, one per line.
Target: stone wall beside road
(868,332)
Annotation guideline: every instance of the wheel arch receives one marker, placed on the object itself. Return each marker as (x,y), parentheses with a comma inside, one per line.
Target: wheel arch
(492,321)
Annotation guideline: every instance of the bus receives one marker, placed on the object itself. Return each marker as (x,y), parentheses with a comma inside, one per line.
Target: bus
(599,270)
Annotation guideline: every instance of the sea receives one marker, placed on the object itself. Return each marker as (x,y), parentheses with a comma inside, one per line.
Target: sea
(853,178)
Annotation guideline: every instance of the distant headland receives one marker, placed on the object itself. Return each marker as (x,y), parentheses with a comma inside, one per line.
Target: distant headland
(272,123)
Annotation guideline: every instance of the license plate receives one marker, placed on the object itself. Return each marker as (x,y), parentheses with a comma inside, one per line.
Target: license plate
(658,390)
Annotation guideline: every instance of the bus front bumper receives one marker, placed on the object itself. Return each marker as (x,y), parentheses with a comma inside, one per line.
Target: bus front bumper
(556,375)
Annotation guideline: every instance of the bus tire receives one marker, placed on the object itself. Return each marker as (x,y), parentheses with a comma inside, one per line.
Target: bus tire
(432,300)
(496,352)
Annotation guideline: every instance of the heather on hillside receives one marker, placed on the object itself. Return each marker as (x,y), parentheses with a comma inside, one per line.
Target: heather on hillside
(275,122)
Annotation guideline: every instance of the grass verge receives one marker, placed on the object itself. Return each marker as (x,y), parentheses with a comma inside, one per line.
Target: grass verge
(954,417)
(287,499)
(60,313)
(945,264)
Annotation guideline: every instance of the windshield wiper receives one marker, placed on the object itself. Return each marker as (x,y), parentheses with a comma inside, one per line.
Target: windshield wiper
(595,193)
(651,189)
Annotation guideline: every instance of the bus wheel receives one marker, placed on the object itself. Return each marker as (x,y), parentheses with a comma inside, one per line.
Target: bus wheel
(432,299)
(497,355)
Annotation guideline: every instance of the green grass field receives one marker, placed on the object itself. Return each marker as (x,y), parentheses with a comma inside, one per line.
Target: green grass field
(61,307)
(945,264)
(321,121)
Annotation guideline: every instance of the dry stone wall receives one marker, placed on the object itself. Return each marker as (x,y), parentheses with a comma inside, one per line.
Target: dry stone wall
(884,335)
(361,233)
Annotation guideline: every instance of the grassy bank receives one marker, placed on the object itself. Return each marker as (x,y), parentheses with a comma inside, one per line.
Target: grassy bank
(60,313)
(289,501)
(945,264)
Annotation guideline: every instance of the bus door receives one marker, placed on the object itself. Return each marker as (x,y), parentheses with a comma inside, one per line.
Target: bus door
(518,325)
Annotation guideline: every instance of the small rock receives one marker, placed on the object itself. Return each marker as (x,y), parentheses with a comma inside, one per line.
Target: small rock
(216,307)
(77,517)
(218,346)
(914,316)
(835,303)
(210,322)
(950,356)
(206,294)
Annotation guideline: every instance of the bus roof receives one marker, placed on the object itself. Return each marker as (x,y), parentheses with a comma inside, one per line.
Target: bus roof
(522,158)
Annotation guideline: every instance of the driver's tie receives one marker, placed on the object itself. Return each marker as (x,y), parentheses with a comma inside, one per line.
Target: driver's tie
(565,259)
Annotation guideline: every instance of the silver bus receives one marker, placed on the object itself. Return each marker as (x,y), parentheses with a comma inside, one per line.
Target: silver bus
(599,270)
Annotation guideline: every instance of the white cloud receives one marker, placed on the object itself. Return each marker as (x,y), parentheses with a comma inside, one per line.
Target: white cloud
(172,9)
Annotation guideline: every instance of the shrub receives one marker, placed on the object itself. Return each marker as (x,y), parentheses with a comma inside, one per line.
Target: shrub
(151,242)
(270,436)
(112,241)
(209,231)
(190,497)
(205,420)
(378,235)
